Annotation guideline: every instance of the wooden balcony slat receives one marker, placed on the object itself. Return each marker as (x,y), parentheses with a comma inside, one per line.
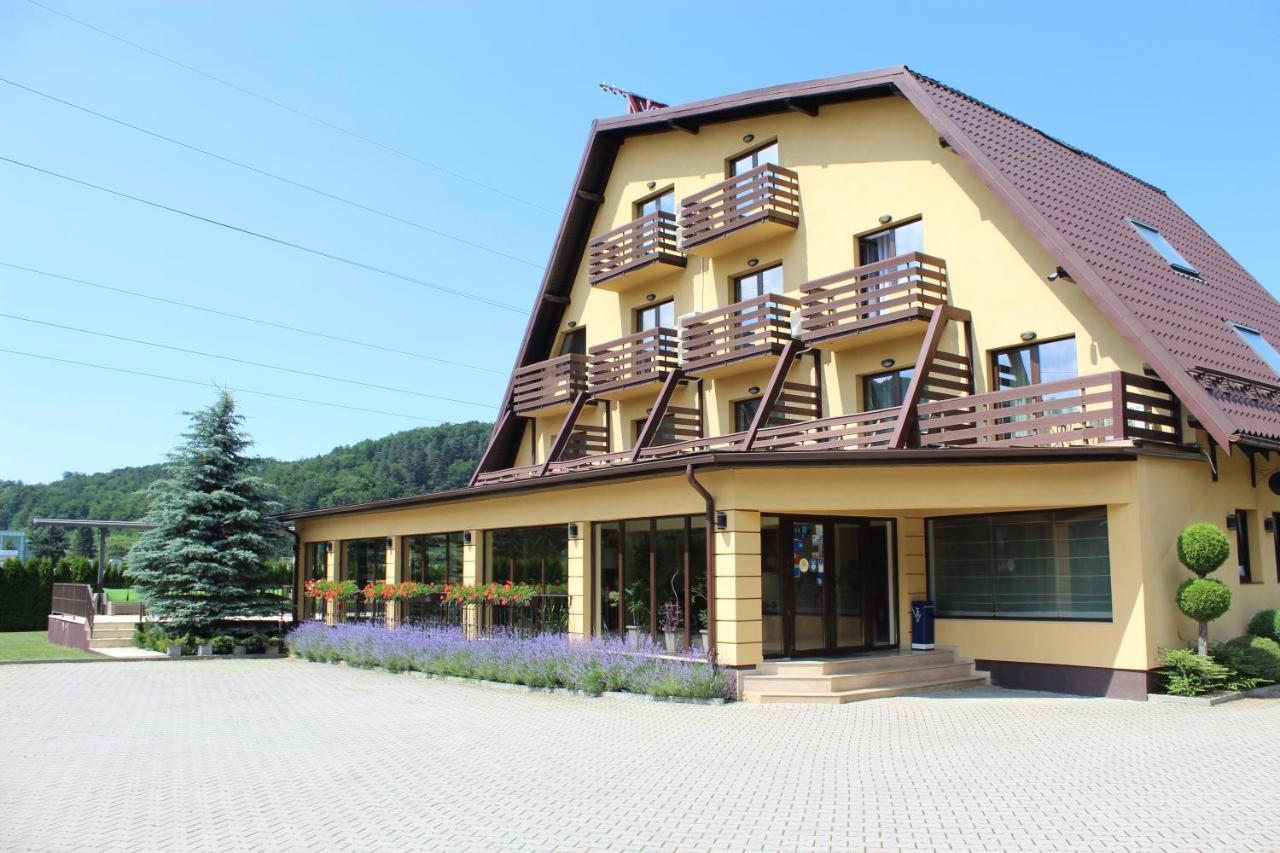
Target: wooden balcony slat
(638,359)
(765,192)
(748,329)
(544,384)
(648,240)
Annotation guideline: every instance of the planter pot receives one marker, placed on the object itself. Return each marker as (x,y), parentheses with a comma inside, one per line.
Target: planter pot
(205,650)
(272,651)
(238,651)
(706,644)
(175,651)
(673,641)
(635,636)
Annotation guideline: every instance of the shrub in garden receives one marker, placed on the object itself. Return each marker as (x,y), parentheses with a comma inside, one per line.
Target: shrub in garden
(223,644)
(1253,657)
(254,644)
(1266,624)
(1189,674)
(1203,548)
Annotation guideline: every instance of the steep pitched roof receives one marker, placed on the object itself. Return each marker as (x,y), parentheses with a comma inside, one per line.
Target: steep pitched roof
(1075,205)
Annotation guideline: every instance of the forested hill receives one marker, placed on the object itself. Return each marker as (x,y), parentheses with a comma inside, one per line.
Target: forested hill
(405,463)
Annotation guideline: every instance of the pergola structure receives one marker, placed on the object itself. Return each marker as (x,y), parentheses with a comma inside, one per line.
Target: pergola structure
(103,527)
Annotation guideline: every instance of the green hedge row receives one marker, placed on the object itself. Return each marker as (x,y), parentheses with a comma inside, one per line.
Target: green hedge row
(26,588)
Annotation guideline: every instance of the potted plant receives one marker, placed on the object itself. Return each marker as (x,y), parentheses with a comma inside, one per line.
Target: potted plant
(254,644)
(223,644)
(238,650)
(671,621)
(638,609)
(174,646)
(702,634)
(273,646)
(204,647)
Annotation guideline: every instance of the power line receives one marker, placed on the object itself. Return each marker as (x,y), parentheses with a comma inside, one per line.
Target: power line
(308,116)
(216,385)
(272,175)
(277,240)
(235,360)
(248,319)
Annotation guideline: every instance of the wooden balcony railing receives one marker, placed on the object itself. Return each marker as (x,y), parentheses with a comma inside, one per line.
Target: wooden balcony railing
(627,364)
(905,287)
(858,431)
(713,340)
(731,441)
(647,243)
(767,193)
(550,384)
(1083,410)
(508,475)
(585,463)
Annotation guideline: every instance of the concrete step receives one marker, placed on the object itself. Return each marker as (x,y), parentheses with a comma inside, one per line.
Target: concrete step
(872,662)
(837,683)
(841,697)
(110,642)
(111,632)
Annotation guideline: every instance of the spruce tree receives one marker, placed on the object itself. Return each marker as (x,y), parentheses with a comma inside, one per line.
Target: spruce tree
(83,544)
(48,543)
(206,559)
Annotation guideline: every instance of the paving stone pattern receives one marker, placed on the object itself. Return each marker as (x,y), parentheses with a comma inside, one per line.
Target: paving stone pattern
(288,755)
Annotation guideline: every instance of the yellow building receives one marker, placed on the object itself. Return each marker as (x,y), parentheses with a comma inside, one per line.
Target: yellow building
(807,354)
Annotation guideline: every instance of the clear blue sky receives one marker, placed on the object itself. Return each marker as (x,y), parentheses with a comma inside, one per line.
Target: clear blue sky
(1177,93)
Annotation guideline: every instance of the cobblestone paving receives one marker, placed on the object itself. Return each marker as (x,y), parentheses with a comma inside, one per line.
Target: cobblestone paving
(287,755)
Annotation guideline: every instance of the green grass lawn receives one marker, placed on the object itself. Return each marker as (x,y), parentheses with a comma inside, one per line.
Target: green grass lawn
(35,645)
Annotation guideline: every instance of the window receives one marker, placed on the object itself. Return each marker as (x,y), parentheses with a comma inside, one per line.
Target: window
(886,390)
(435,559)
(1242,546)
(1164,247)
(1051,564)
(891,242)
(574,342)
(752,159)
(660,315)
(1275,540)
(665,433)
(663,202)
(1261,347)
(744,412)
(758,283)
(365,562)
(1033,364)
(315,557)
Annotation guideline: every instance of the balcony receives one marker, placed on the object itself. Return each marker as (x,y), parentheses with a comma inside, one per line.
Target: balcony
(632,366)
(746,335)
(636,253)
(548,387)
(875,301)
(755,205)
(857,431)
(1082,410)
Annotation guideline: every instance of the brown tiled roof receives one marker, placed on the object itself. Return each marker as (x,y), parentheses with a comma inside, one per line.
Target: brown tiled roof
(1074,204)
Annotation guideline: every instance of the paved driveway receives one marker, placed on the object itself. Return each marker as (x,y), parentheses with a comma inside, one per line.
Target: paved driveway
(285,755)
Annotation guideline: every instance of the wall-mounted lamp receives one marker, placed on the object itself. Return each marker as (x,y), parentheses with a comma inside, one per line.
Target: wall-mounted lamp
(754,389)
(391,543)
(753,262)
(573,530)
(886,219)
(749,137)
(1233,522)
(1057,274)
(722,521)
(1028,336)
(652,184)
(466,537)
(887,362)
(573,324)
(1269,524)
(649,297)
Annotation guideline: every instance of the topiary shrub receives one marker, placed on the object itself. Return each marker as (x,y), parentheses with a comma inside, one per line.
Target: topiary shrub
(1255,657)
(1189,674)
(1202,548)
(1266,624)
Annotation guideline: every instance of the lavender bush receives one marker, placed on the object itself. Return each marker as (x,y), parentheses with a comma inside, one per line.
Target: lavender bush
(549,660)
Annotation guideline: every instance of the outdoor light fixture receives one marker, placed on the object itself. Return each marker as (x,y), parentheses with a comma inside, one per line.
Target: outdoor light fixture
(1269,524)
(887,362)
(722,521)
(652,184)
(753,262)
(886,219)
(1233,522)
(1028,336)
(466,537)
(754,389)
(1057,274)
(573,530)
(749,137)
(573,324)
(649,297)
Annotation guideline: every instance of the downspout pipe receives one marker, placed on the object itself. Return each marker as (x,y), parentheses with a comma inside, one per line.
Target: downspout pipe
(711,557)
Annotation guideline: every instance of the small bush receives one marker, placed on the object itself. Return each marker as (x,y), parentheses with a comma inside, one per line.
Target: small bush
(1188,674)
(1202,548)
(1254,657)
(1203,599)
(1266,624)
(254,644)
(223,644)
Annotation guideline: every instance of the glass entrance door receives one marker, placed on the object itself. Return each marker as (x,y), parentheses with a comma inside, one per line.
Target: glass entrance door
(828,586)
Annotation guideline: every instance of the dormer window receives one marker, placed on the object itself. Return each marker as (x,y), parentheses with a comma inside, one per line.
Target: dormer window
(1261,347)
(1164,247)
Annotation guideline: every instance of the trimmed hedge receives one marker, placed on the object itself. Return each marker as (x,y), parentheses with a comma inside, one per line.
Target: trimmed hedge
(1255,657)
(1266,623)
(26,588)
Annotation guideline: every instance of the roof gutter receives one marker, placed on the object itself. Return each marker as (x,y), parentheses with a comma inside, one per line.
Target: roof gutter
(710,502)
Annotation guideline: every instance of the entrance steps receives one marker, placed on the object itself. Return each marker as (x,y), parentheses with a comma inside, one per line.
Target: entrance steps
(875,675)
(111,635)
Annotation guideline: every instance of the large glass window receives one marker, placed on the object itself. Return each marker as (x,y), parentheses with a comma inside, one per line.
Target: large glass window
(574,342)
(891,242)
(663,202)
(538,556)
(1051,564)
(1164,247)
(660,315)
(315,560)
(886,390)
(752,159)
(1018,367)
(365,562)
(652,574)
(758,283)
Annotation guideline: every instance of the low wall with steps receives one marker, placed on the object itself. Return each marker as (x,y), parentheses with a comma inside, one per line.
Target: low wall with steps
(69,632)
(875,675)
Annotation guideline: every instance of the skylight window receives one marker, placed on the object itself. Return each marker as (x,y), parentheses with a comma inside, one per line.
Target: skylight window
(1164,247)
(1262,347)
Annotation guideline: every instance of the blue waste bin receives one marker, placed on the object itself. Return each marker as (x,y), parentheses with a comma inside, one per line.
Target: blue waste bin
(922,625)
